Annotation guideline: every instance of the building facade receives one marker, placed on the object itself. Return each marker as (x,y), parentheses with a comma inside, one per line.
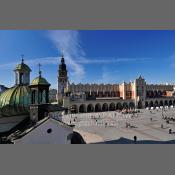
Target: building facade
(104,97)
(52,95)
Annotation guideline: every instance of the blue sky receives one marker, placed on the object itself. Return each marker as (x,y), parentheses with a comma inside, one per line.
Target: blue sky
(92,56)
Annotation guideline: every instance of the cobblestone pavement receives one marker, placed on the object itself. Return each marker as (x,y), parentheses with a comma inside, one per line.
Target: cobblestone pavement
(110,127)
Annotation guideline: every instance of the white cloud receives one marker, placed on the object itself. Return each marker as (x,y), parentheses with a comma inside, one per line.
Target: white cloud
(69,42)
(111,60)
(82,61)
(108,77)
(76,67)
(32,62)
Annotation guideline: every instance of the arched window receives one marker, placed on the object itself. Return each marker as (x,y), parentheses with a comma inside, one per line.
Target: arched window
(90,108)
(112,107)
(97,107)
(33,96)
(21,78)
(82,108)
(105,107)
(44,96)
(40,97)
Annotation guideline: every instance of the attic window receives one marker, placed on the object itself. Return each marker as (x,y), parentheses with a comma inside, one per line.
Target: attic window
(49,130)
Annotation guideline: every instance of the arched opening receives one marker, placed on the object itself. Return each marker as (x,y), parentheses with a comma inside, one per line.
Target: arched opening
(90,108)
(93,94)
(170,103)
(106,94)
(117,94)
(156,104)
(76,138)
(43,96)
(139,105)
(113,94)
(74,109)
(146,104)
(119,106)
(159,93)
(147,94)
(125,105)
(100,94)
(150,94)
(105,107)
(21,78)
(161,103)
(155,94)
(131,105)
(165,103)
(112,107)
(82,108)
(97,107)
(33,97)
(151,104)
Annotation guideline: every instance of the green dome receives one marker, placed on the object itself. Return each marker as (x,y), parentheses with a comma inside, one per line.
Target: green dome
(40,81)
(22,67)
(15,101)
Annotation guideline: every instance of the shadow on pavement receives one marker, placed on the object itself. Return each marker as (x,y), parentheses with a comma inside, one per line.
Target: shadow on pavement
(123,140)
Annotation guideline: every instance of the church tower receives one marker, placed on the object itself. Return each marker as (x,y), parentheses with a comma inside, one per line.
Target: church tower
(140,92)
(22,74)
(62,78)
(39,97)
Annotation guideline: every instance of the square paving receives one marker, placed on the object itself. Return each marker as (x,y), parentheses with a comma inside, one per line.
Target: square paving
(110,127)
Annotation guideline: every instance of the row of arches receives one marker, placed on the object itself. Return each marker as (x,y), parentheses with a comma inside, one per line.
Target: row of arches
(101,107)
(160,103)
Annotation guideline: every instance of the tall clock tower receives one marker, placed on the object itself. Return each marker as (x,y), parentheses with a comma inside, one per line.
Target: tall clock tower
(140,92)
(62,78)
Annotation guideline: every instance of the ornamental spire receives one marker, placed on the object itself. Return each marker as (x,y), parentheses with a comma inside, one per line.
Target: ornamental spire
(62,56)
(22,59)
(39,67)
(62,53)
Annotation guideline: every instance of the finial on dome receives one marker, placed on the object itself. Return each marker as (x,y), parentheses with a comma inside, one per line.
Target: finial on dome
(22,59)
(40,72)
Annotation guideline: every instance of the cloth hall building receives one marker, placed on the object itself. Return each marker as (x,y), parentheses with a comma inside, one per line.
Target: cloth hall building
(79,98)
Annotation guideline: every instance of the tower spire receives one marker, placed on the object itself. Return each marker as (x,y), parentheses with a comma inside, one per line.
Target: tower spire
(62,77)
(62,53)
(62,56)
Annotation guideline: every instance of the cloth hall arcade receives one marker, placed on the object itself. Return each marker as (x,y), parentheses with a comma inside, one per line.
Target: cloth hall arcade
(108,97)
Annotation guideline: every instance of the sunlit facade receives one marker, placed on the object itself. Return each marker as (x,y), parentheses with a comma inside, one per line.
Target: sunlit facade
(105,97)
